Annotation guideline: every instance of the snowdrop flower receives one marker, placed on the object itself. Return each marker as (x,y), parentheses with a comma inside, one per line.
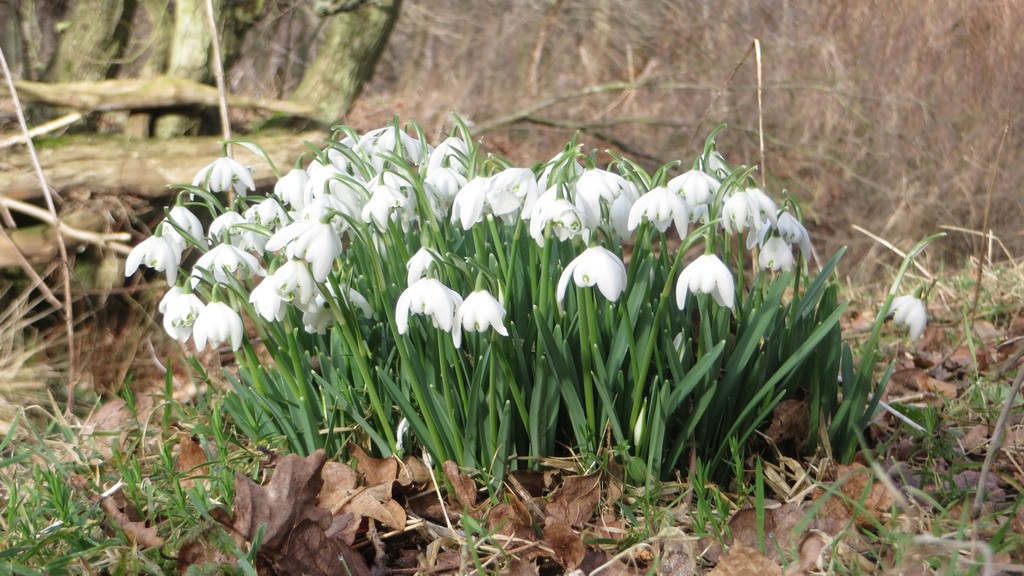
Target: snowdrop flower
(738,213)
(336,189)
(184,219)
(292,189)
(224,173)
(417,265)
(794,233)
(180,310)
(660,206)
(269,214)
(776,254)
(293,283)
(698,189)
(477,313)
(565,219)
(514,191)
(224,261)
(403,427)
(269,303)
(706,275)
(717,165)
(377,144)
(217,323)
(444,184)
(314,241)
(468,205)
(155,252)
(596,187)
(428,297)
(910,311)
(575,168)
(638,428)
(764,206)
(317,317)
(220,228)
(452,154)
(596,265)
(385,201)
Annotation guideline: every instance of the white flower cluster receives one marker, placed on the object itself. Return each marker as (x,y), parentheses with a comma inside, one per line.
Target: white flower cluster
(289,244)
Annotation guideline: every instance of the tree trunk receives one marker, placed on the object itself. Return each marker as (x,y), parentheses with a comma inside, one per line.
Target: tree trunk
(189,57)
(345,58)
(91,42)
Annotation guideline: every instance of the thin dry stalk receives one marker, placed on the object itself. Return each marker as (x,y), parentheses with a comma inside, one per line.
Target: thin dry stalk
(218,74)
(760,111)
(984,223)
(996,445)
(37,281)
(69,319)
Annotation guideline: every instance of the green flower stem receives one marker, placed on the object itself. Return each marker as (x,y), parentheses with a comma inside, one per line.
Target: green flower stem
(357,348)
(499,249)
(447,390)
(587,324)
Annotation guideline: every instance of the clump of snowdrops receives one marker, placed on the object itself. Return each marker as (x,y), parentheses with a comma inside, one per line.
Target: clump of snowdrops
(435,298)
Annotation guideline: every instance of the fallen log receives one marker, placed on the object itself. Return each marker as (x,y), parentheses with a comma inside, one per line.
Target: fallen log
(112,165)
(145,94)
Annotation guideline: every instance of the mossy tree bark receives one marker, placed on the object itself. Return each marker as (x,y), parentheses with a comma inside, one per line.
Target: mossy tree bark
(189,57)
(91,43)
(353,41)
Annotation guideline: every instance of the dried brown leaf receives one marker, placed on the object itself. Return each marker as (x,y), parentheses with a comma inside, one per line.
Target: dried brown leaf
(789,422)
(339,484)
(857,483)
(283,503)
(191,461)
(413,471)
(576,499)
(564,541)
(375,502)
(505,519)
(463,486)
(373,470)
(312,553)
(136,531)
(742,560)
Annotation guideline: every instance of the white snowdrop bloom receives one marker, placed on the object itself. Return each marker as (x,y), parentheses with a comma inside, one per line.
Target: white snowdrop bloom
(910,311)
(224,173)
(317,317)
(387,202)
(739,213)
(444,184)
(294,283)
(638,428)
(155,252)
(224,261)
(765,206)
(181,217)
(697,189)
(662,207)
(268,302)
(428,297)
(477,313)
(706,275)
(221,228)
(595,188)
(776,254)
(314,241)
(595,266)
(340,191)
(292,189)
(360,302)
(562,216)
(418,264)
(403,427)
(452,153)
(217,323)
(513,193)
(338,159)
(469,202)
(377,144)
(794,233)
(269,214)
(180,313)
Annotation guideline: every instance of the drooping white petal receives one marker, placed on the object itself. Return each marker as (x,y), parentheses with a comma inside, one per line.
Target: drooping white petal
(911,312)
